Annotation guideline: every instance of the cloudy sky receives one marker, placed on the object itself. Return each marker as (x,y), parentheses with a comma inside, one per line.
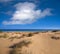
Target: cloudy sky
(29,14)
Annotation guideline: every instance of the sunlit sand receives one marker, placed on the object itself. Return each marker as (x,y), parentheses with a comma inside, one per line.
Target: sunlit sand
(30,42)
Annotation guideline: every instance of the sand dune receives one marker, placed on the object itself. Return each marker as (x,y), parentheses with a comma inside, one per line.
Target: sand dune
(30,42)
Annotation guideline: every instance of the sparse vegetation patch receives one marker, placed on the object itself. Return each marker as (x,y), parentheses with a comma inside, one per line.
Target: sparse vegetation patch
(56,38)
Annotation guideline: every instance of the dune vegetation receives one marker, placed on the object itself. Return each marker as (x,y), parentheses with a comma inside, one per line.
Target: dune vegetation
(30,42)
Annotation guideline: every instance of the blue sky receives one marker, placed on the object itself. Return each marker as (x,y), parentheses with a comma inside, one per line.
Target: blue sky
(29,14)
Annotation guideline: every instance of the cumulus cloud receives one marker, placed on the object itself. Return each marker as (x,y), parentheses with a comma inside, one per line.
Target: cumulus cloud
(27,13)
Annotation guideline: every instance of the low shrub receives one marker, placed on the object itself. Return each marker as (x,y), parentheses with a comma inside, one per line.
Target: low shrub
(29,35)
(56,38)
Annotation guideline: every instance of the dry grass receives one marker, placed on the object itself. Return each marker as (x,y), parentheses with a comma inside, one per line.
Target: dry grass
(29,35)
(56,38)
(19,46)
(4,36)
(32,42)
(35,32)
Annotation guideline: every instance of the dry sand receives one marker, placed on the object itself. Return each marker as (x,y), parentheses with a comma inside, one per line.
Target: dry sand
(41,42)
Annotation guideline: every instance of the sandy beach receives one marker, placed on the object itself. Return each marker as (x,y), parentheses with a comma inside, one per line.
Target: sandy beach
(30,42)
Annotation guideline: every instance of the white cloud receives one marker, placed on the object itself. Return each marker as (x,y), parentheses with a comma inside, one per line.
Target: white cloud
(5,0)
(27,13)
